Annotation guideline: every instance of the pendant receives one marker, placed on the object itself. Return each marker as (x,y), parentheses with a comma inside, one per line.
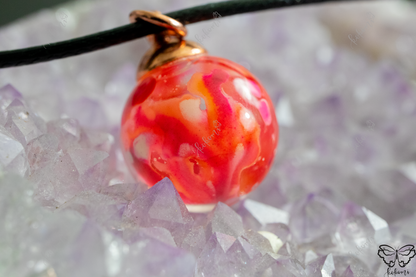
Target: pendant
(204,122)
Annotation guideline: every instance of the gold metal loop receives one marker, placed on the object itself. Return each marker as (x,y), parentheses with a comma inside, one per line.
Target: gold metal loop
(167,45)
(159,19)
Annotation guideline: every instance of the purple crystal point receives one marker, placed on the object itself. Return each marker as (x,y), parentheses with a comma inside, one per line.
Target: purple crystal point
(212,260)
(195,240)
(223,255)
(7,94)
(84,159)
(313,218)
(159,206)
(153,258)
(348,272)
(158,233)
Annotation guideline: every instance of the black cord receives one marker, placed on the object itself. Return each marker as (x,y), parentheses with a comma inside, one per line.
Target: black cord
(139,29)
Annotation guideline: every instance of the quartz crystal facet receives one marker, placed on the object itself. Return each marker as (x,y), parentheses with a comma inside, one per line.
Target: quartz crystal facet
(205,123)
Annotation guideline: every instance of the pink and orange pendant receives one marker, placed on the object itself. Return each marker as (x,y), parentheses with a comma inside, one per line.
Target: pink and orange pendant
(204,122)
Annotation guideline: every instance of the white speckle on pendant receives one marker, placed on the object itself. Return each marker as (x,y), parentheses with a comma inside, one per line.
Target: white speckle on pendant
(243,88)
(141,148)
(184,150)
(247,119)
(191,111)
(239,148)
(238,156)
(211,187)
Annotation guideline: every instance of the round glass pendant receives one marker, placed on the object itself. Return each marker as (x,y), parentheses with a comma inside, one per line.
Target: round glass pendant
(204,122)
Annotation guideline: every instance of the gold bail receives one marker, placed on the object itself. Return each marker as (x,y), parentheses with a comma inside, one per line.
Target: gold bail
(167,45)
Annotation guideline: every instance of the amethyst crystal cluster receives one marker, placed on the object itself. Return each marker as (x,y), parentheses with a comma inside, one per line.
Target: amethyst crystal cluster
(343,182)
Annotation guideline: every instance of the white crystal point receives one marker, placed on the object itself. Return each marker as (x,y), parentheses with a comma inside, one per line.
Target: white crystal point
(380,226)
(9,147)
(250,250)
(328,267)
(315,267)
(85,159)
(409,170)
(7,94)
(26,121)
(266,214)
(13,156)
(42,151)
(224,240)
(225,220)
(100,139)
(274,241)
(261,243)
(310,255)
(71,126)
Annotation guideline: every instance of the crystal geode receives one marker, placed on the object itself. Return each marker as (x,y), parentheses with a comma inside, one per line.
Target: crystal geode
(343,181)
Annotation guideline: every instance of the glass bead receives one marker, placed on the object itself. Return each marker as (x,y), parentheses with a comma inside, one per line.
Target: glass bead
(204,122)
